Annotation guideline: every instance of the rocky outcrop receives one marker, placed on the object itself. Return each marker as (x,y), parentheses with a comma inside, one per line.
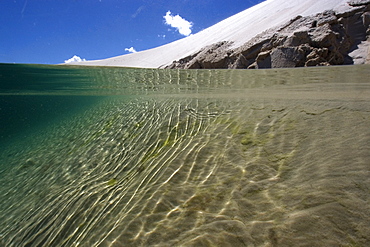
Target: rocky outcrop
(213,56)
(328,38)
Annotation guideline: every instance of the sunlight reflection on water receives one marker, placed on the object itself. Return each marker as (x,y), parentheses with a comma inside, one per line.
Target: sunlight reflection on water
(131,157)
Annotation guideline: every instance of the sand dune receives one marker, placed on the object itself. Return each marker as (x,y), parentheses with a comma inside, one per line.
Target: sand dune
(239,29)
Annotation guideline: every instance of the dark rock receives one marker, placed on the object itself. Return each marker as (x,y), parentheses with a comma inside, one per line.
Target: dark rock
(366,22)
(320,40)
(323,37)
(209,57)
(355,3)
(263,60)
(328,17)
(241,62)
(298,38)
(286,57)
(252,50)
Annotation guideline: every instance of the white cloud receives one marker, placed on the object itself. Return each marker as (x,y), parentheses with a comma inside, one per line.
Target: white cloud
(176,21)
(75,59)
(131,49)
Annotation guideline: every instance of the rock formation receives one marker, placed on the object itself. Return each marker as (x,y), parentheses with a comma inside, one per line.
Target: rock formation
(328,38)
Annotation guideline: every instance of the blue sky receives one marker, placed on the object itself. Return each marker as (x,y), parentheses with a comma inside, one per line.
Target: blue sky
(52,31)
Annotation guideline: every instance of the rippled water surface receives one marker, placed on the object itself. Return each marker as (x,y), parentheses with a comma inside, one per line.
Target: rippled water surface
(143,157)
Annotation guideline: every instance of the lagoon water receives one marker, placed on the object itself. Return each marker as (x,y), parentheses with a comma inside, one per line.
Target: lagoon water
(94,156)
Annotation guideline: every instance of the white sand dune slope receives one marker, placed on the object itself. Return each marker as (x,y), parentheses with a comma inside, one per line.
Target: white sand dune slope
(239,29)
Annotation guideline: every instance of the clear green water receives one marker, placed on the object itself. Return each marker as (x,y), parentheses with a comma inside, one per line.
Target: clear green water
(143,157)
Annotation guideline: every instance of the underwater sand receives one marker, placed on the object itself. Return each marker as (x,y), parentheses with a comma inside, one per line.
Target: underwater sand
(280,162)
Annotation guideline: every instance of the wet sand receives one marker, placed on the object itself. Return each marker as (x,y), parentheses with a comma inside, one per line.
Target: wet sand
(278,166)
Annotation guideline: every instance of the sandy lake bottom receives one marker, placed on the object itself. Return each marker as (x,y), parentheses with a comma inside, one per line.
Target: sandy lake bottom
(282,165)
